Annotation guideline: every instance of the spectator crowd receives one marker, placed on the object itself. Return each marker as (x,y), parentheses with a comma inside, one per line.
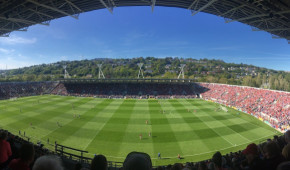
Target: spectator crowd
(268,105)
(20,89)
(128,90)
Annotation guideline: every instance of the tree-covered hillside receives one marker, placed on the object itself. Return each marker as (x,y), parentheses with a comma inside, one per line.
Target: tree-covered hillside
(203,70)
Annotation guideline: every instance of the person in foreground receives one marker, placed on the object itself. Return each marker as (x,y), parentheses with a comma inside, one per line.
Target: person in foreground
(252,158)
(26,158)
(5,149)
(137,161)
(99,163)
(48,162)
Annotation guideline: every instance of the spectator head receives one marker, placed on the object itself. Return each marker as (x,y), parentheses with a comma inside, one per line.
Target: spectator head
(159,168)
(251,152)
(3,135)
(27,152)
(217,159)
(78,166)
(177,166)
(99,163)
(284,166)
(287,136)
(286,152)
(137,161)
(202,166)
(48,162)
(271,150)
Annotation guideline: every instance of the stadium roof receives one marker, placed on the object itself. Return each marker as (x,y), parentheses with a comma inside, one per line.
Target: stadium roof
(127,80)
(272,16)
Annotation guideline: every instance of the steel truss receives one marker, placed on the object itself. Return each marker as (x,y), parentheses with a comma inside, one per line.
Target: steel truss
(271,15)
(140,73)
(101,74)
(181,71)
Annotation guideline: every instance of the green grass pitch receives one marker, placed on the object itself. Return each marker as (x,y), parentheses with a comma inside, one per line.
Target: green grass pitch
(193,128)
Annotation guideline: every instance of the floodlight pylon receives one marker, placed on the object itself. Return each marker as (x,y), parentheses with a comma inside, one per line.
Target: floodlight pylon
(101,74)
(66,74)
(181,71)
(140,70)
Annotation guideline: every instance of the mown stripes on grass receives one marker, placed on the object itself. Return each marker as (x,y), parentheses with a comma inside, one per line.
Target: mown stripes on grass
(165,143)
(112,133)
(112,126)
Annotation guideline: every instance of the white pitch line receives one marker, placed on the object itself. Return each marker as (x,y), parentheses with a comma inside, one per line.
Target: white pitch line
(118,157)
(101,126)
(244,119)
(215,131)
(84,148)
(228,128)
(236,132)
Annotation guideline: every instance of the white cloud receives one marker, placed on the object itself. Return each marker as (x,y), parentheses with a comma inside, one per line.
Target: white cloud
(14,62)
(12,40)
(6,51)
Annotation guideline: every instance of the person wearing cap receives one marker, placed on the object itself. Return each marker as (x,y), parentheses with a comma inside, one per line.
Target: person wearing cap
(252,156)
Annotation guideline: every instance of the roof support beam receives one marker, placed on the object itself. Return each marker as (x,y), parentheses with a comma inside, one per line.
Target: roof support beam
(233,9)
(276,37)
(72,4)
(283,12)
(52,8)
(274,29)
(246,18)
(6,29)
(40,13)
(203,7)
(109,7)
(18,20)
(190,7)
(153,4)
(257,16)
(262,20)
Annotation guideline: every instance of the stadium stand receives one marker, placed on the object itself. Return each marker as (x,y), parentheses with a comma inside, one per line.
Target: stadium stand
(268,105)
(20,89)
(129,90)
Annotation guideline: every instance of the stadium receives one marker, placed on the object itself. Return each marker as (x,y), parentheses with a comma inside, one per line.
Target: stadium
(168,123)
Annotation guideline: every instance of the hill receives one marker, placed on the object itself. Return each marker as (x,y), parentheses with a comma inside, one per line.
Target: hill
(203,70)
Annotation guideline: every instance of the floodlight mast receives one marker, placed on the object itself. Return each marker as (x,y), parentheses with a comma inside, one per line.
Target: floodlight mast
(101,74)
(140,70)
(66,75)
(181,71)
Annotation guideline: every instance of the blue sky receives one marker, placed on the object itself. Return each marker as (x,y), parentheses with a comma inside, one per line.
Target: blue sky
(136,31)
